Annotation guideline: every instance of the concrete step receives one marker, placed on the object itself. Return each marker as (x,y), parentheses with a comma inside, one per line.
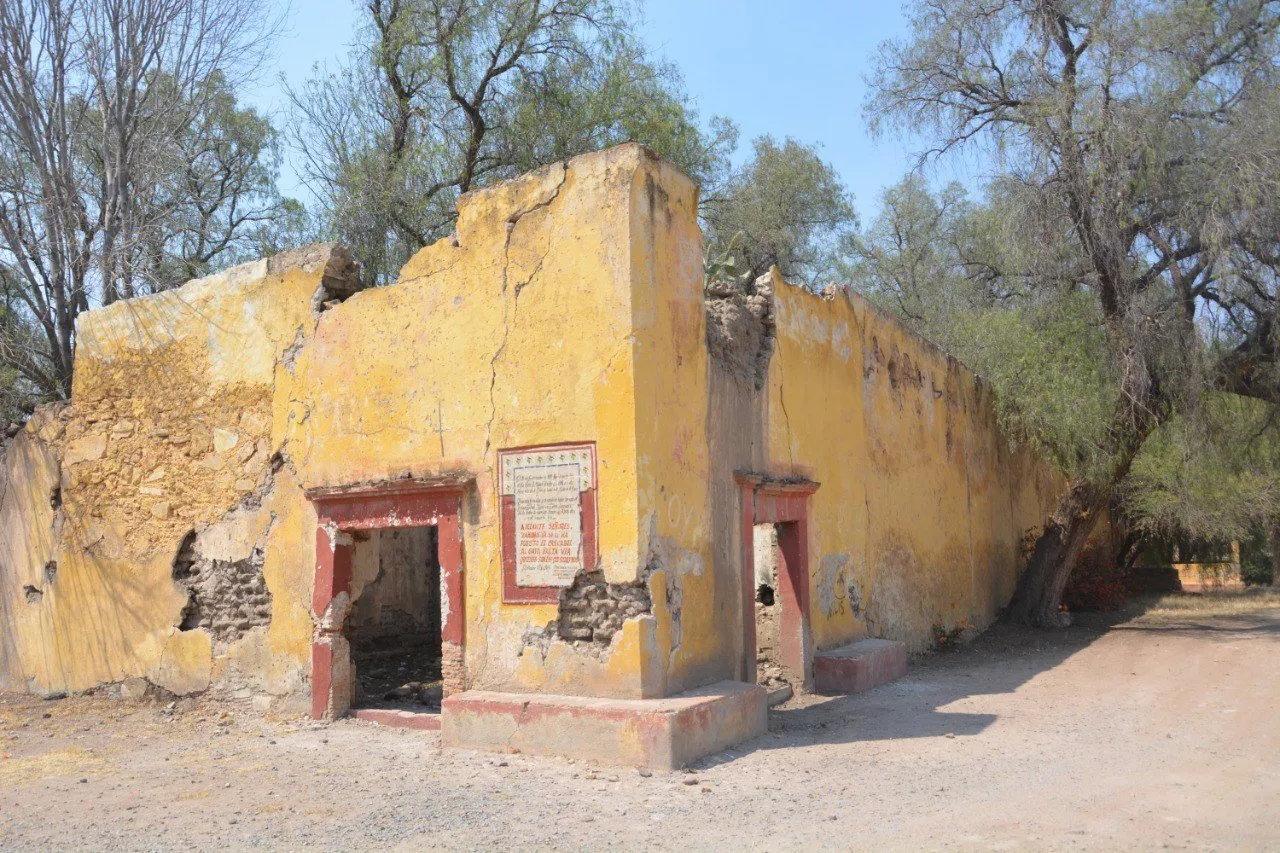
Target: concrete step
(859,666)
(662,734)
(398,719)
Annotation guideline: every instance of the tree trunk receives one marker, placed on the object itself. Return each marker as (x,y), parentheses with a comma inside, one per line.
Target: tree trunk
(1038,598)
(1275,555)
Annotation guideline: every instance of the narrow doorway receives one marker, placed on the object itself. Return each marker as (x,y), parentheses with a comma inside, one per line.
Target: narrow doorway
(780,619)
(771,673)
(394,624)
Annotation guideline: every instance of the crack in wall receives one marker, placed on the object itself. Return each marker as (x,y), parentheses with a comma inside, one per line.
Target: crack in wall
(289,357)
(786,416)
(511,223)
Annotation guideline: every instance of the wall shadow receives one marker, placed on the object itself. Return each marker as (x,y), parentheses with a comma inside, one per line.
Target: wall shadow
(1001,660)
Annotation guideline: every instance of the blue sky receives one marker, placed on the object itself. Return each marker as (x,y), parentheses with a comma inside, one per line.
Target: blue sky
(787,70)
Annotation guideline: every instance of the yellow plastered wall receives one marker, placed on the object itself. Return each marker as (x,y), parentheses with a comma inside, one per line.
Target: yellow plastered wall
(517,332)
(692,594)
(922,508)
(237,391)
(169,430)
(567,307)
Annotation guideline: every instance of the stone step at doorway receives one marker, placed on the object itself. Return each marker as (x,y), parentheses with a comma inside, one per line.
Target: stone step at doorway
(859,666)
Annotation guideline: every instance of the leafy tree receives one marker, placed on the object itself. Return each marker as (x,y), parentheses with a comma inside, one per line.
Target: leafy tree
(126,165)
(784,206)
(441,97)
(1213,473)
(1138,146)
(13,391)
(911,258)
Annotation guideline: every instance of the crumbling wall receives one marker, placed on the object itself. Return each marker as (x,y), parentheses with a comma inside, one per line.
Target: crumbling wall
(593,610)
(490,341)
(177,538)
(29,518)
(227,598)
(740,327)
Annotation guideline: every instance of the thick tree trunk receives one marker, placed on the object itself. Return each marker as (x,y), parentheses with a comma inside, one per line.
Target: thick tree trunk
(1275,555)
(1038,598)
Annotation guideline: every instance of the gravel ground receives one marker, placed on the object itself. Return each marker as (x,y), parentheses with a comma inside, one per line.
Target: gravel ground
(1157,731)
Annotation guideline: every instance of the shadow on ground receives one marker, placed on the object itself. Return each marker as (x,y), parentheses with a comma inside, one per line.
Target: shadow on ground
(1001,660)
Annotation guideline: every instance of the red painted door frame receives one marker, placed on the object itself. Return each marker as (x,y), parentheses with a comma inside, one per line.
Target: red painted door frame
(339,513)
(786,504)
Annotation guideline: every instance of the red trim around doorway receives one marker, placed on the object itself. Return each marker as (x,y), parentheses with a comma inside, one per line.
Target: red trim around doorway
(785,503)
(342,511)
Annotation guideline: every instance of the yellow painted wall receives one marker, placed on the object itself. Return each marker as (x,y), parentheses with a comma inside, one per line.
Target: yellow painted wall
(568,306)
(170,429)
(518,330)
(922,507)
(692,645)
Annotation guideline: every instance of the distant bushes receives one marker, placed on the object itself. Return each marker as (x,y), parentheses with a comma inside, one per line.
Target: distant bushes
(1097,583)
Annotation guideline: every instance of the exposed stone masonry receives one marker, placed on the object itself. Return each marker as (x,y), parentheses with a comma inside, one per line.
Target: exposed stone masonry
(593,610)
(740,327)
(225,598)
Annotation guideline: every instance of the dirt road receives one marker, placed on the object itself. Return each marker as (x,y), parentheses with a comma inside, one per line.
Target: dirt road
(1161,731)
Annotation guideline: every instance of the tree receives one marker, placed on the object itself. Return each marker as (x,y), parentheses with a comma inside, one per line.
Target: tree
(125,164)
(441,97)
(910,259)
(784,206)
(1213,474)
(1139,145)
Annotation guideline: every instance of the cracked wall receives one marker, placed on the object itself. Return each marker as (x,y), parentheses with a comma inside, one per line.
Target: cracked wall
(569,305)
(520,329)
(593,610)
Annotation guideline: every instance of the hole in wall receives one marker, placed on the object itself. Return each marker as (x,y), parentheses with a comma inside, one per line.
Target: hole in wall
(227,598)
(593,610)
(50,571)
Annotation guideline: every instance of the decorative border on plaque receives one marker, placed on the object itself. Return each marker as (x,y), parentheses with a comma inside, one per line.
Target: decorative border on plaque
(549,519)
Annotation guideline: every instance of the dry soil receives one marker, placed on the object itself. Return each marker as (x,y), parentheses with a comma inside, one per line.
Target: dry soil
(1139,732)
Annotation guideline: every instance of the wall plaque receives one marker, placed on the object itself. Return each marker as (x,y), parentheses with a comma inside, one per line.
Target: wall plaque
(548,518)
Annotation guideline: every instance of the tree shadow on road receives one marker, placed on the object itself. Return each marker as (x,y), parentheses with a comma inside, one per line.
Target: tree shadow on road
(1001,660)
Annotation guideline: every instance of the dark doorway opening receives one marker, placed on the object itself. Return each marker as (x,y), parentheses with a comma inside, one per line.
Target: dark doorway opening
(394,623)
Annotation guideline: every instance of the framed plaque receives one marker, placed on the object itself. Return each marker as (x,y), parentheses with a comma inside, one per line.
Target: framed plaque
(548,519)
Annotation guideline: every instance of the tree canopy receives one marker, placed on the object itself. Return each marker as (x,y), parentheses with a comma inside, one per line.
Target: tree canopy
(784,206)
(440,97)
(1131,261)
(126,163)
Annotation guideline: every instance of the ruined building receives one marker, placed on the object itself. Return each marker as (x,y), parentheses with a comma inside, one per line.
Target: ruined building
(547,477)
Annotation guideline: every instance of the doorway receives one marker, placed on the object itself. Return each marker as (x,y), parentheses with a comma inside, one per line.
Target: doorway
(388,597)
(393,625)
(777,648)
(771,671)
